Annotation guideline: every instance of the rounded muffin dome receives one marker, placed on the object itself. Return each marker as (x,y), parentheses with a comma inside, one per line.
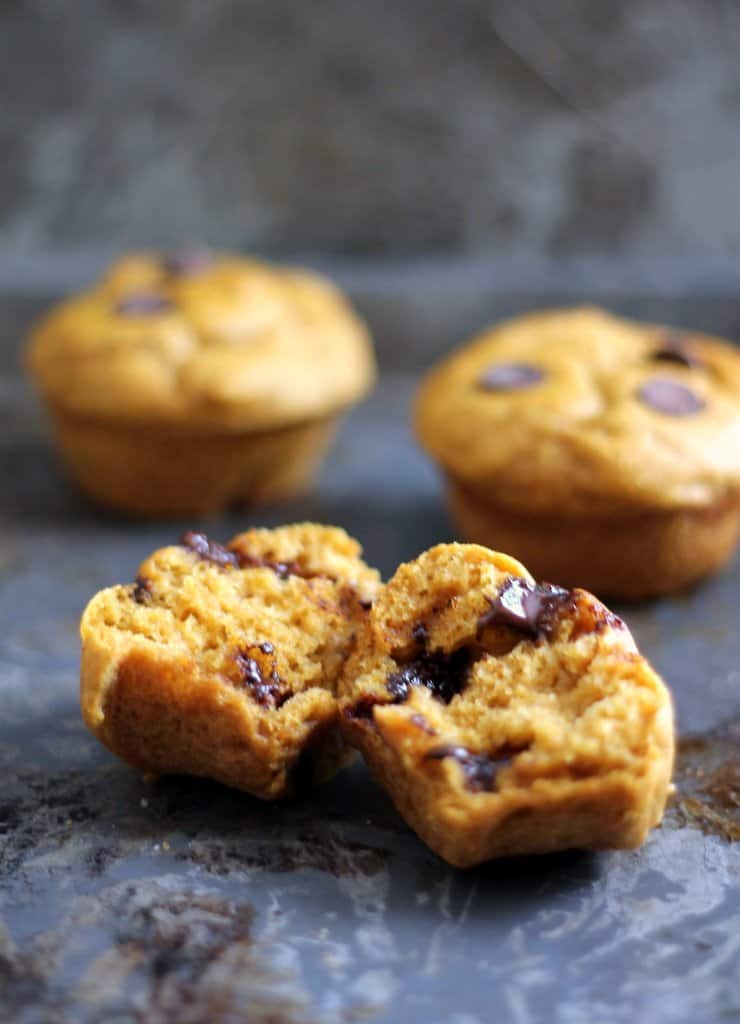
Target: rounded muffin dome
(215,341)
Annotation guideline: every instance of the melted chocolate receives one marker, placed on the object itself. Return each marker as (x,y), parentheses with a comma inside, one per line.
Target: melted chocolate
(142,590)
(529,608)
(362,709)
(444,675)
(669,397)
(510,377)
(267,690)
(209,550)
(420,634)
(480,770)
(187,262)
(212,551)
(143,304)
(281,569)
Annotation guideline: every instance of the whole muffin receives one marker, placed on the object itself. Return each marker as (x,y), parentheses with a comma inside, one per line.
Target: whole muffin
(602,453)
(180,384)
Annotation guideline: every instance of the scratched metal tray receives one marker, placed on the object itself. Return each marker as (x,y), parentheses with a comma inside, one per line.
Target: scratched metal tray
(183,901)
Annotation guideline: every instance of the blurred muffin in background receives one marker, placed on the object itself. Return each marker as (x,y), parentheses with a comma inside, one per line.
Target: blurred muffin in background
(602,453)
(181,384)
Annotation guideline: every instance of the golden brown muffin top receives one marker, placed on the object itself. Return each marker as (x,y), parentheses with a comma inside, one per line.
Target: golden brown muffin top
(206,341)
(577,410)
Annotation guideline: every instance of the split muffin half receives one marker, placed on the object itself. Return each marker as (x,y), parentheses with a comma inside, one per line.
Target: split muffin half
(505,716)
(223,661)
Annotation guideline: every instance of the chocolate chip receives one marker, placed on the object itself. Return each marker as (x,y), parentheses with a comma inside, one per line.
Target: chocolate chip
(142,590)
(143,304)
(528,608)
(284,569)
(420,634)
(362,710)
(209,550)
(445,675)
(480,770)
(267,689)
(281,569)
(365,603)
(212,551)
(510,377)
(250,670)
(187,262)
(670,397)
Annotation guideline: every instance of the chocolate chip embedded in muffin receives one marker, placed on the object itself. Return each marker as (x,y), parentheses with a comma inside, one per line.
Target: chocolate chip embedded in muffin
(141,590)
(529,608)
(224,670)
(479,770)
(510,377)
(561,737)
(670,397)
(143,304)
(262,680)
(420,634)
(209,550)
(444,675)
(281,569)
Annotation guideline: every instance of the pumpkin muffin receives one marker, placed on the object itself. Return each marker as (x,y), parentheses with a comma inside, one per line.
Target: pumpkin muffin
(603,453)
(505,716)
(181,384)
(223,661)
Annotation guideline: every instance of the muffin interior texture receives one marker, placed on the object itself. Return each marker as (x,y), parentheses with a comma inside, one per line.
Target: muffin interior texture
(266,614)
(541,681)
(223,660)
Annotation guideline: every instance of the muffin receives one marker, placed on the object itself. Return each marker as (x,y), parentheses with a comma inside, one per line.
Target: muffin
(505,716)
(223,661)
(603,453)
(181,384)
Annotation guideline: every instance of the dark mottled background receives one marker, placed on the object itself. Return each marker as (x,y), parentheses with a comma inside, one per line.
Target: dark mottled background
(450,163)
(526,133)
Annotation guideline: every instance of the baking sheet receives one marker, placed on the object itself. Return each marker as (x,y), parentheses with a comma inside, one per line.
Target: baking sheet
(183,901)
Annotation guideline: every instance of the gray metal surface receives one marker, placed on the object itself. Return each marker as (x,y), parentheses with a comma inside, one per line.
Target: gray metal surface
(520,128)
(183,901)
